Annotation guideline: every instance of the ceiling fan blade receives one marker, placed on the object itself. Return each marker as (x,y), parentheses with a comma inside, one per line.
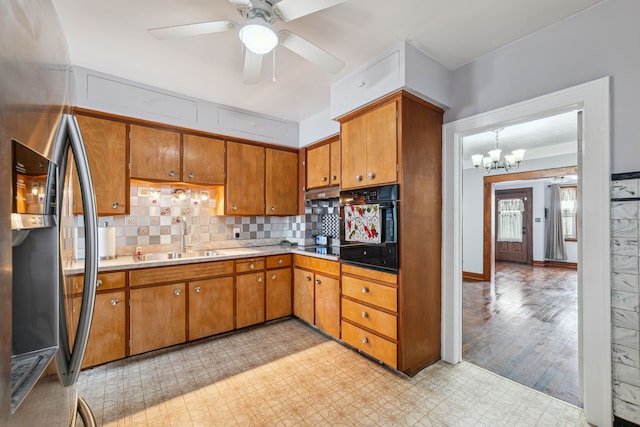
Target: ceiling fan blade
(310,52)
(245,5)
(188,30)
(288,10)
(252,67)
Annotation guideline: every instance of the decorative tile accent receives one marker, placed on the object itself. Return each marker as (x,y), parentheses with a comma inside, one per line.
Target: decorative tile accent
(143,231)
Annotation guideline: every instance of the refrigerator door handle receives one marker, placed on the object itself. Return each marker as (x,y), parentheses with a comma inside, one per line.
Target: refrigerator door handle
(70,363)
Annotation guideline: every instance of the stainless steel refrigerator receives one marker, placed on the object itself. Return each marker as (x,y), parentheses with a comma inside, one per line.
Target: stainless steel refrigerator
(41,155)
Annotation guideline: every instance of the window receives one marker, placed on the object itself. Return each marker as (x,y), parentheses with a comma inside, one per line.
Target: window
(569,208)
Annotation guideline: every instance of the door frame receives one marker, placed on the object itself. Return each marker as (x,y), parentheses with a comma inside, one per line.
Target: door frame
(594,270)
(489,250)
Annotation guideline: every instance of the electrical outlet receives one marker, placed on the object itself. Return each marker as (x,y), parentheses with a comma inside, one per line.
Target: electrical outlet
(236,233)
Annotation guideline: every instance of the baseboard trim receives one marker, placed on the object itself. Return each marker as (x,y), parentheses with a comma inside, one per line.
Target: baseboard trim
(478,277)
(559,264)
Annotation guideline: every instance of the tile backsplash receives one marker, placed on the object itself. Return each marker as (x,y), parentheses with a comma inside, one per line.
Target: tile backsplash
(157,211)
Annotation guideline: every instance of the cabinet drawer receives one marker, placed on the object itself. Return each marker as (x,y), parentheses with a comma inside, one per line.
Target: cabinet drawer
(178,273)
(250,265)
(111,280)
(331,268)
(277,261)
(376,320)
(371,293)
(382,349)
(367,273)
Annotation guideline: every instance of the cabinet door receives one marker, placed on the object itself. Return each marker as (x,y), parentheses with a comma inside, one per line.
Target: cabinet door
(334,163)
(278,293)
(154,154)
(202,160)
(249,299)
(382,145)
(318,174)
(157,316)
(353,152)
(106,144)
(327,305)
(281,188)
(210,307)
(245,179)
(303,295)
(107,338)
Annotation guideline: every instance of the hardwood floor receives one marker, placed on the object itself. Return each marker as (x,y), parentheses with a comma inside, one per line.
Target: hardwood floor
(525,327)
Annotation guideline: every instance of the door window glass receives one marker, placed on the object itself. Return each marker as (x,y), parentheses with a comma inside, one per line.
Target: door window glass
(510,220)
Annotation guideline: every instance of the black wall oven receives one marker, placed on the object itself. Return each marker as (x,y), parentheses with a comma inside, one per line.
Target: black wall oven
(369,227)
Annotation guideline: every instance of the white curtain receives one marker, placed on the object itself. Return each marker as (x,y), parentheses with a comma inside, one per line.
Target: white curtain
(510,220)
(555,237)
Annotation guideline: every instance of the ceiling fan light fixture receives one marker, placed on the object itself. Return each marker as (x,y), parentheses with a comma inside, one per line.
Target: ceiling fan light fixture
(258,36)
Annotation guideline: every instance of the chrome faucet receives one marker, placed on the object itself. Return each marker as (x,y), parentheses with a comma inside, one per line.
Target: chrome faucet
(183,235)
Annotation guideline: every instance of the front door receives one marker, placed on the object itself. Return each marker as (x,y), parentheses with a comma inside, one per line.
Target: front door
(513,224)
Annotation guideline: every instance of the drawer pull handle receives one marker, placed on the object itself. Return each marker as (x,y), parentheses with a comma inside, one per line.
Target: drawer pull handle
(318,282)
(197,289)
(172,173)
(324,178)
(333,178)
(371,175)
(273,277)
(364,340)
(280,261)
(259,279)
(98,283)
(308,278)
(116,205)
(115,301)
(273,208)
(364,315)
(365,289)
(358,178)
(234,207)
(177,292)
(191,174)
(251,267)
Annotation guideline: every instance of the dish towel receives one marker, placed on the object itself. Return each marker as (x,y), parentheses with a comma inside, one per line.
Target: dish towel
(362,223)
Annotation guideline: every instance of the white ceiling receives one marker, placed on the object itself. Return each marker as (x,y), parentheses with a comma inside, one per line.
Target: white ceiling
(110,36)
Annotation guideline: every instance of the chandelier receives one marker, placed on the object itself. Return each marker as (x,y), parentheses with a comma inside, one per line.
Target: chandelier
(493,162)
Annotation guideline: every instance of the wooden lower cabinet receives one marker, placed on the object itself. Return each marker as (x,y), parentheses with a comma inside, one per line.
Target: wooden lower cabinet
(157,317)
(303,295)
(327,306)
(374,345)
(250,299)
(210,307)
(107,338)
(278,293)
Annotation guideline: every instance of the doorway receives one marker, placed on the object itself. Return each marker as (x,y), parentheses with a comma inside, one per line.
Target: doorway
(513,224)
(594,275)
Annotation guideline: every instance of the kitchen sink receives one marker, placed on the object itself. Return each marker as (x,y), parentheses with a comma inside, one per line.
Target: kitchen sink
(161,256)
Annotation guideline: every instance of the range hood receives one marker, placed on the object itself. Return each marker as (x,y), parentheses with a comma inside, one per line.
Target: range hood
(322,193)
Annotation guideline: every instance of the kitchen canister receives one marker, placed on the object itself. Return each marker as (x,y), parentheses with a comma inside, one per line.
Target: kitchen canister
(106,242)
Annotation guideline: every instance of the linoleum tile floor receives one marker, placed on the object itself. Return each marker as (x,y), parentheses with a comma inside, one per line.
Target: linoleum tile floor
(288,374)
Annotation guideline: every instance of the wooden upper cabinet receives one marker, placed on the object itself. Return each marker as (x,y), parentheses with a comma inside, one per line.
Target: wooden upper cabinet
(281,187)
(245,179)
(202,160)
(154,154)
(105,142)
(318,166)
(323,165)
(369,148)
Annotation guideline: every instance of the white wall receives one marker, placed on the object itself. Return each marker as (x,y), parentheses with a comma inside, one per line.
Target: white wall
(599,42)
(473,211)
(318,127)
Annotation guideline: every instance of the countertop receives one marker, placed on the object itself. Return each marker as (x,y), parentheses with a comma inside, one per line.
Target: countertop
(128,262)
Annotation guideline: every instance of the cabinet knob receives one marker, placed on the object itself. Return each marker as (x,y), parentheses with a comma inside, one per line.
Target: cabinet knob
(280,261)
(324,179)
(234,207)
(259,280)
(98,283)
(251,267)
(273,277)
(177,292)
(371,175)
(116,205)
(273,208)
(308,278)
(358,178)
(364,340)
(333,177)
(191,174)
(365,289)
(115,301)
(197,289)
(364,315)
(318,281)
(172,173)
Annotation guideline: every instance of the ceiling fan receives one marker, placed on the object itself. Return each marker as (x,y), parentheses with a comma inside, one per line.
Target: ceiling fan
(258,34)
